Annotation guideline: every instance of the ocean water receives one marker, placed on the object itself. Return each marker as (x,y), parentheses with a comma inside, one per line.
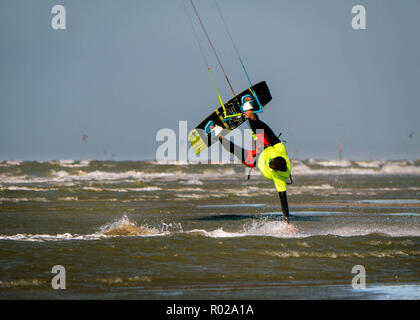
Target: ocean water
(144,230)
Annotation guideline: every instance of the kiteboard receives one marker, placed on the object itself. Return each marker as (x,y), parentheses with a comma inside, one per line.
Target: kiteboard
(200,139)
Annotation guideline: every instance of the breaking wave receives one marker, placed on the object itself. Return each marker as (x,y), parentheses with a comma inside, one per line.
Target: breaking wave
(256,228)
(280,229)
(70,163)
(68,171)
(125,227)
(259,227)
(122,227)
(345,167)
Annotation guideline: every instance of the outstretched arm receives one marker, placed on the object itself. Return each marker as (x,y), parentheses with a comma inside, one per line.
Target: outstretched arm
(284,205)
(285,209)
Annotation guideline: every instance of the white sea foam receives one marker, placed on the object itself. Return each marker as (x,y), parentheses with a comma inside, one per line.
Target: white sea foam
(331,163)
(152,188)
(7,178)
(402,201)
(122,227)
(191,196)
(232,205)
(97,175)
(17,200)
(186,177)
(300,168)
(68,198)
(393,168)
(193,182)
(370,164)
(186,190)
(334,254)
(189,162)
(22,283)
(324,186)
(49,237)
(218,233)
(266,227)
(145,189)
(385,170)
(95,189)
(382,189)
(304,170)
(72,164)
(14,162)
(10,163)
(248,191)
(259,228)
(20,188)
(365,230)
(124,281)
(172,162)
(345,167)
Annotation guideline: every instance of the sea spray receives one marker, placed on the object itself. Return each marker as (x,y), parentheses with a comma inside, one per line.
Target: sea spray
(125,227)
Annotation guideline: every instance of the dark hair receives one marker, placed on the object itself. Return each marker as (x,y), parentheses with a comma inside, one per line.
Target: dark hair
(278,164)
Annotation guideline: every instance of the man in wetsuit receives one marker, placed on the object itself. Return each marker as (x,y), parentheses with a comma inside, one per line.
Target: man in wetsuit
(269,155)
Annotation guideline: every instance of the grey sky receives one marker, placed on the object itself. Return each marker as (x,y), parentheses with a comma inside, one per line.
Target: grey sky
(122,70)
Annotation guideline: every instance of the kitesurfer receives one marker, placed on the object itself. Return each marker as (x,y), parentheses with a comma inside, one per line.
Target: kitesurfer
(269,156)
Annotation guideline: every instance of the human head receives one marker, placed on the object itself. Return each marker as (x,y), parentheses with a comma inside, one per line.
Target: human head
(278,164)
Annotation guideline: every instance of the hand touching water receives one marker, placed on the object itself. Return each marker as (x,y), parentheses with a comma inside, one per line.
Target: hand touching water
(291,228)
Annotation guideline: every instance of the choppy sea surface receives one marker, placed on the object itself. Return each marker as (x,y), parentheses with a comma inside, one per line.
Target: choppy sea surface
(144,230)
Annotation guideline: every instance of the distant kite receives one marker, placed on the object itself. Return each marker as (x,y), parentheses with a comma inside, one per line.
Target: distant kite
(84,138)
(411,134)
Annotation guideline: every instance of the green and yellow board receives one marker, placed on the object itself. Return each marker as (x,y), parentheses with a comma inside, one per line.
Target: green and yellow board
(198,137)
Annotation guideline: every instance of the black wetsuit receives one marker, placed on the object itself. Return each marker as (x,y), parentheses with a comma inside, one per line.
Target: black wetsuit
(265,138)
